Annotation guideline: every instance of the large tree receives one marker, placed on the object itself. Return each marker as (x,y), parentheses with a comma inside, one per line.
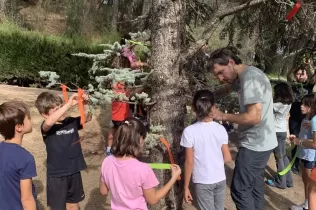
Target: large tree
(168,83)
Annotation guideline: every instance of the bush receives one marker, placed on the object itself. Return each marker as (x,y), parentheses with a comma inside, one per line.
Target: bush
(24,53)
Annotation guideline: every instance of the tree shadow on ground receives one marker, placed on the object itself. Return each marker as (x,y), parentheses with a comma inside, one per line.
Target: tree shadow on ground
(97,201)
(39,187)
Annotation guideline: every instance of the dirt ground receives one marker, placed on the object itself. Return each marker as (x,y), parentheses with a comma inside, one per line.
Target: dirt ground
(93,146)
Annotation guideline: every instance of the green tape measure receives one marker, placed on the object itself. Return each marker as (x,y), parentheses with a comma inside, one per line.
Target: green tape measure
(288,168)
(161,166)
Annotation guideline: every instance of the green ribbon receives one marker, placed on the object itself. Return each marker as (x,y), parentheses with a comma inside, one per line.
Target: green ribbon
(161,166)
(288,168)
(138,43)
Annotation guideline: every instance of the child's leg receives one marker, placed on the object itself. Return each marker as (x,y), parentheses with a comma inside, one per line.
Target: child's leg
(205,196)
(312,190)
(72,206)
(57,188)
(75,191)
(220,195)
(306,171)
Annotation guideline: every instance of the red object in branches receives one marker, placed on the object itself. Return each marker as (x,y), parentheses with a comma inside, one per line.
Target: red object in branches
(294,10)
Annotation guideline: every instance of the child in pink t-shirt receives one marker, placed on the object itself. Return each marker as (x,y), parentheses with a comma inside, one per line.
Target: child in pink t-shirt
(131,182)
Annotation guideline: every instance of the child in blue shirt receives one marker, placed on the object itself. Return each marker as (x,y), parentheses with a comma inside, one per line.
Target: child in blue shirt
(17,165)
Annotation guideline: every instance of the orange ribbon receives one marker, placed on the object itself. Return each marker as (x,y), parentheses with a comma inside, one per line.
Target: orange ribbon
(164,141)
(64,88)
(80,106)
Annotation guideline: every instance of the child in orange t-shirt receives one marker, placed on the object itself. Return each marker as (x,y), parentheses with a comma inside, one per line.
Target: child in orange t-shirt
(120,111)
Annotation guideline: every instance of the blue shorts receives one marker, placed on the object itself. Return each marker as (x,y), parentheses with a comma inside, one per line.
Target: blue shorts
(307,164)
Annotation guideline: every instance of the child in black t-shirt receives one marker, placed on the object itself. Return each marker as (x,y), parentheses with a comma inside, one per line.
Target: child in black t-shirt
(64,154)
(17,165)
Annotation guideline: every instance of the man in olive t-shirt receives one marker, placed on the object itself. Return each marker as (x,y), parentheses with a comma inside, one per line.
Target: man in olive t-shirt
(255,120)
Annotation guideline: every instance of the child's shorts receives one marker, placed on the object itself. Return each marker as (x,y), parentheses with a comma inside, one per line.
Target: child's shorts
(307,164)
(116,124)
(313,174)
(62,190)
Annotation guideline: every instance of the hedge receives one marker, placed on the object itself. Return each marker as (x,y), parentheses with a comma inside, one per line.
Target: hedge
(24,53)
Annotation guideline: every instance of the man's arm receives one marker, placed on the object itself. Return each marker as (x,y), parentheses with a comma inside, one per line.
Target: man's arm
(251,117)
(223,91)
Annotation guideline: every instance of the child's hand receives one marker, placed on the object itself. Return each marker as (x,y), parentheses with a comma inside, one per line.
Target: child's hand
(176,171)
(187,196)
(292,137)
(73,100)
(85,98)
(296,141)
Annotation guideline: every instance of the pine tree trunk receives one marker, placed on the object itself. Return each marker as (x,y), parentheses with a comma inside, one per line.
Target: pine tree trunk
(167,88)
(115,15)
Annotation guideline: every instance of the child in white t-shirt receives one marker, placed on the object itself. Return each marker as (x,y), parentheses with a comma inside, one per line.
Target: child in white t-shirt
(206,151)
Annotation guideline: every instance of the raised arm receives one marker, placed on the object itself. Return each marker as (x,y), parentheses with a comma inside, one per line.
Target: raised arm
(59,112)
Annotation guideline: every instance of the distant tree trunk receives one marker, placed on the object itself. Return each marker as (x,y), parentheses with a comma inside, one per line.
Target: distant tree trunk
(146,6)
(115,15)
(167,87)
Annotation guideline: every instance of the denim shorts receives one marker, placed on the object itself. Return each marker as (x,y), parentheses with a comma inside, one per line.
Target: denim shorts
(307,164)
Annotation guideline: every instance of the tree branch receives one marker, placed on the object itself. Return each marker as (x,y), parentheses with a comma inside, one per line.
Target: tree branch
(210,28)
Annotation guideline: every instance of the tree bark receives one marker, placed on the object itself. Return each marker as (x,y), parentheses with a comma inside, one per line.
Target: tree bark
(115,15)
(167,88)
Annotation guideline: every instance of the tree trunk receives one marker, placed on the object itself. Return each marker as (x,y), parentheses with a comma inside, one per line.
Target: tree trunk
(114,15)
(167,87)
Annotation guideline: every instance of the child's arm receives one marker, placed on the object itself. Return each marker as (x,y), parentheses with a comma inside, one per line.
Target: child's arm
(226,153)
(188,169)
(27,198)
(88,115)
(307,143)
(153,196)
(53,118)
(103,188)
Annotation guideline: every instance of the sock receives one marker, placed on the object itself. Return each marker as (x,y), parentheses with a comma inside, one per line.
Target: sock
(306,204)
(108,149)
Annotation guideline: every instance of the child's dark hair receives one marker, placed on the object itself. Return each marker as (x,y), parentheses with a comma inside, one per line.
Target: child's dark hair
(46,101)
(126,139)
(221,56)
(125,37)
(11,114)
(203,102)
(309,101)
(283,93)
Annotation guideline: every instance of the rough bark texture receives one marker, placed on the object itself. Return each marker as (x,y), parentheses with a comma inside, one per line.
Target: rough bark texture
(115,15)
(167,87)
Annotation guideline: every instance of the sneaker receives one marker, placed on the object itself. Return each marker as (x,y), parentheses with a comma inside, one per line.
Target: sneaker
(295,171)
(272,183)
(108,151)
(299,207)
